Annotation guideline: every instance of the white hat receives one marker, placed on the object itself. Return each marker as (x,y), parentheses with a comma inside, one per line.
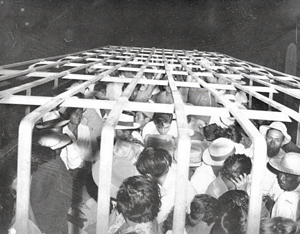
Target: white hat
(53,140)
(290,163)
(278,126)
(127,122)
(52,119)
(218,151)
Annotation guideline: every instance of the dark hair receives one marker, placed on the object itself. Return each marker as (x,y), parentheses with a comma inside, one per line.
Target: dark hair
(154,161)
(278,225)
(138,199)
(233,133)
(234,197)
(69,111)
(205,208)
(245,166)
(160,118)
(168,223)
(212,132)
(232,221)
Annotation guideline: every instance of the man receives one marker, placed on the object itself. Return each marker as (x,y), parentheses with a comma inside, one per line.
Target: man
(276,136)
(213,158)
(235,169)
(288,179)
(155,163)
(142,118)
(52,188)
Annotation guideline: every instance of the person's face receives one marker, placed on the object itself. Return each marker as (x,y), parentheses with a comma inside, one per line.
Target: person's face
(235,171)
(288,182)
(76,117)
(163,130)
(274,139)
(141,119)
(123,134)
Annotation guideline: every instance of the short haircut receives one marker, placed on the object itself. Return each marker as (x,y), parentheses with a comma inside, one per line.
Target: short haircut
(278,225)
(212,132)
(154,161)
(233,133)
(233,221)
(245,166)
(234,197)
(70,110)
(203,208)
(160,118)
(138,199)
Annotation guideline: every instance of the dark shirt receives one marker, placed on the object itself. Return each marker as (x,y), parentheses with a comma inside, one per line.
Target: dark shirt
(51,196)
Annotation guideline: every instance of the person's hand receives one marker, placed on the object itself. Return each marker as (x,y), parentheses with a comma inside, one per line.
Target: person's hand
(241,182)
(269,202)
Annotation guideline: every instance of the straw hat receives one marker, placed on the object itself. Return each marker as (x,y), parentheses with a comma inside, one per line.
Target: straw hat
(52,119)
(278,126)
(218,151)
(124,149)
(122,168)
(290,163)
(127,122)
(197,148)
(53,140)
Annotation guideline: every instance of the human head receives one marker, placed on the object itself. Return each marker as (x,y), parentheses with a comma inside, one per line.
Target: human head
(218,151)
(74,114)
(125,127)
(231,221)
(138,199)
(233,133)
(154,162)
(212,132)
(278,225)
(288,170)
(234,197)
(142,118)
(276,135)
(234,166)
(162,122)
(203,208)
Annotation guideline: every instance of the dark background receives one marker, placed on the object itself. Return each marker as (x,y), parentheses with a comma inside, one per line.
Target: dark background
(253,30)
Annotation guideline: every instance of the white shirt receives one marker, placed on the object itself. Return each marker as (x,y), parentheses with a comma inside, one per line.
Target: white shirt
(167,191)
(202,178)
(287,205)
(80,150)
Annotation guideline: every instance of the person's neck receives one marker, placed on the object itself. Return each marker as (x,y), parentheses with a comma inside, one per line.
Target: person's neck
(73,128)
(216,170)
(162,179)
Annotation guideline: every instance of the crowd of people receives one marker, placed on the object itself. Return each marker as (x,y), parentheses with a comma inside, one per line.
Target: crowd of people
(65,164)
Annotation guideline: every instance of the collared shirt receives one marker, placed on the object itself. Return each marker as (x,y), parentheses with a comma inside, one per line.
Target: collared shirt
(80,150)
(167,191)
(217,188)
(287,205)
(202,177)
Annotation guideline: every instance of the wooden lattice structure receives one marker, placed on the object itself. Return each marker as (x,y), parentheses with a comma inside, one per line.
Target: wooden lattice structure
(19,83)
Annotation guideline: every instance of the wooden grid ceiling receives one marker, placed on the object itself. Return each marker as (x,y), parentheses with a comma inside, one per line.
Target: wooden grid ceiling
(28,83)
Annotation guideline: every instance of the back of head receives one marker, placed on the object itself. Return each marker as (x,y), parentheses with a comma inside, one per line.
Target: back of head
(203,208)
(154,162)
(232,198)
(278,225)
(243,165)
(232,221)
(233,133)
(160,119)
(212,132)
(138,199)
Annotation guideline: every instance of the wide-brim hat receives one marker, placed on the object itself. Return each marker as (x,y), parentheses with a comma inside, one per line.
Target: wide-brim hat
(127,122)
(53,140)
(278,126)
(290,163)
(197,149)
(218,151)
(121,169)
(52,119)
